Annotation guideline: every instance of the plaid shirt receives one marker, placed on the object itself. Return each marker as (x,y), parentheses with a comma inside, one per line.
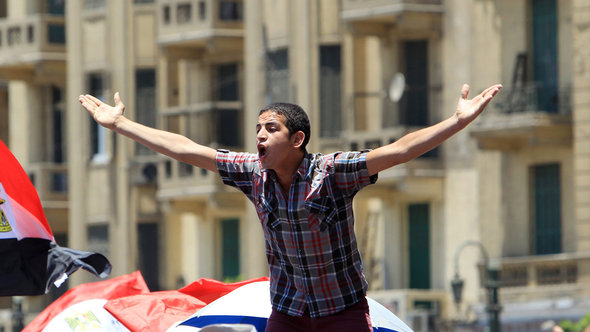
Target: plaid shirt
(311,248)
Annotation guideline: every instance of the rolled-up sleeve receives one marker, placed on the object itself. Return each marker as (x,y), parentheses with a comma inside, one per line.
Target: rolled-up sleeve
(236,169)
(351,173)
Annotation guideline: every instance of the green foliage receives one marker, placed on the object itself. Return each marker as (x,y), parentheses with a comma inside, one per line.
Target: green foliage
(579,326)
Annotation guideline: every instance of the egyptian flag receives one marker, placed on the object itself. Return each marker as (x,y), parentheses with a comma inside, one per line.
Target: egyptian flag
(125,304)
(30,260)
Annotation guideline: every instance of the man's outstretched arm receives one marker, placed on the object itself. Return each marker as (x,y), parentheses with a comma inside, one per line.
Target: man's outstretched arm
(170,144)
(415,144)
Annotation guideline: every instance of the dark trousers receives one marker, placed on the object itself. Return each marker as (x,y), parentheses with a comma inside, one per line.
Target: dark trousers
(354,318)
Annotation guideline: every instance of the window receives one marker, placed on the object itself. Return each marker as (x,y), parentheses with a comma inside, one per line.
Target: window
(98,239)
(544,43)
(202,10)
(277,76)
(59,180)
(148,261)
(97,132)
(14,36)
(230,247)
(3,9)
(4,115)
(419,241)
(330,91)
(166,15)
(30,34)
(231,10)
(58,153)
(145,101)
(228,120)
(183,13)
(56,7)
(414,103)
(227,82)
(56,34)
(546,206)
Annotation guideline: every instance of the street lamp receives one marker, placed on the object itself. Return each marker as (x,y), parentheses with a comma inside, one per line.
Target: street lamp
(491,283)
(17,313)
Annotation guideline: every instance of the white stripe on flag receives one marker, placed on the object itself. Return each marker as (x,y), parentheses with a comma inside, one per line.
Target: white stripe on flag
(22,223)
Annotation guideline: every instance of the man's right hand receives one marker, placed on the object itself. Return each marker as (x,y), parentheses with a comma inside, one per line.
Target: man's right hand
(170,144)
(105,114)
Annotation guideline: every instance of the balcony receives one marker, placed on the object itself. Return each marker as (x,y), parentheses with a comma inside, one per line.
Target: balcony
(208,24)
(51,182)
(530,115)
(387,10)
(180,180)
(429,165)
(214,124)
(545,276)
(28,43)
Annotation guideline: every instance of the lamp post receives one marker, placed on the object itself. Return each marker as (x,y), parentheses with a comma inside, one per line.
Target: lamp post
(17,313)
(491,283)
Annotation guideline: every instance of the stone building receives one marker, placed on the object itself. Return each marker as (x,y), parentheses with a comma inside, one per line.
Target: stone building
(515,182)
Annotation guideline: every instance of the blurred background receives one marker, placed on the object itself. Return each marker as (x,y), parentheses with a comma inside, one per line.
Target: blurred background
(490,230)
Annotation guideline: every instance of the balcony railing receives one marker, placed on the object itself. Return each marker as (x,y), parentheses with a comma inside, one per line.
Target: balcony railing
(397,119)
(51,182)
(31,39)
(197,21)
(543,270)
(534,97)
(428,165)
(533,114)
(177,179)
(540,276)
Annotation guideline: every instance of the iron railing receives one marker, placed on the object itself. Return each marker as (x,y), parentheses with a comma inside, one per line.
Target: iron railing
(534,97)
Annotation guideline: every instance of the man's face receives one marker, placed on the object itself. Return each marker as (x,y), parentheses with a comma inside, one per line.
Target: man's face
(273,141)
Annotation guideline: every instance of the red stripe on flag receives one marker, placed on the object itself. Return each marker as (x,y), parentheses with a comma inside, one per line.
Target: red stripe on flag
(209,290)
(19,187)
(157,311)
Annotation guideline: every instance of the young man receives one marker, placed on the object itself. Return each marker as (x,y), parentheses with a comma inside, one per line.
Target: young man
(303,201)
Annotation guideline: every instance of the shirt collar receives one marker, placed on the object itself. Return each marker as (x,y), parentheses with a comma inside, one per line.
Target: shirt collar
(306,167)
(304,170)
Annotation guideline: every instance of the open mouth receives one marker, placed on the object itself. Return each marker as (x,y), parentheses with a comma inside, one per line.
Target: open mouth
(261,151)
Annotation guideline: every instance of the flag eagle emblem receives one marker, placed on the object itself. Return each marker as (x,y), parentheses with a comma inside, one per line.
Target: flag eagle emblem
(4,224)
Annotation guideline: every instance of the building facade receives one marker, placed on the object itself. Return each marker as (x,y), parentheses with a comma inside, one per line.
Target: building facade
(515,181)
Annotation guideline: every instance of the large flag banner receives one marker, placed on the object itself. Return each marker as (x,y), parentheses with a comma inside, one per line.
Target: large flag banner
(30,259)
(125,304)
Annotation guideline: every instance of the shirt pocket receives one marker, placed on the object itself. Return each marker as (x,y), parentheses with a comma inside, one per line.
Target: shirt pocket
(267,211)
(322,212)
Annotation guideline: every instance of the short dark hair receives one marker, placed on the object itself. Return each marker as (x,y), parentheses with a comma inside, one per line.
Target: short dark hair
(295,119)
